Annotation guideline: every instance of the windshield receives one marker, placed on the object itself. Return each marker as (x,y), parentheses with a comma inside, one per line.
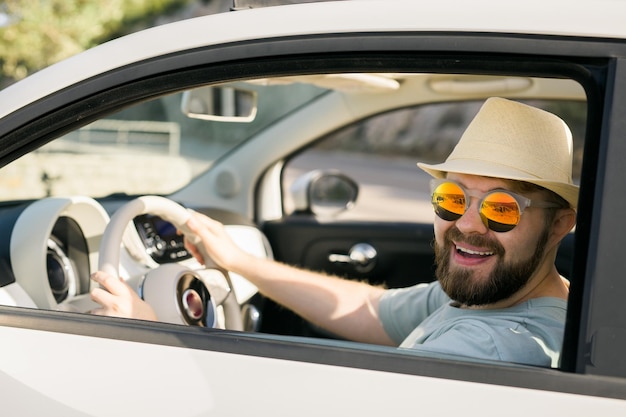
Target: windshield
(101,159)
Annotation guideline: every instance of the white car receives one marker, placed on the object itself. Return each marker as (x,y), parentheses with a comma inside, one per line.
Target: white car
(298,126)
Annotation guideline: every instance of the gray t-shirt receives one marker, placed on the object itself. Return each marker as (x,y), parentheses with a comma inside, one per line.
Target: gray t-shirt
(422,317)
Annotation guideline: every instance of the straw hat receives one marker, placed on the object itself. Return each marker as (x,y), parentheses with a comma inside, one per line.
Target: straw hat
(515,141)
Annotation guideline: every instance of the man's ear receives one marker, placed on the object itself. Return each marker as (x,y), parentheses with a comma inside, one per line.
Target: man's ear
(563,223)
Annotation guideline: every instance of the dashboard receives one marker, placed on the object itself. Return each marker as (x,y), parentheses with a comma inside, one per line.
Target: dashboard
(161,239)
(55,245)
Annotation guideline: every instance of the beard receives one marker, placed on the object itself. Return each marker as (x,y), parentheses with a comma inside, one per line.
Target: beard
(505,280)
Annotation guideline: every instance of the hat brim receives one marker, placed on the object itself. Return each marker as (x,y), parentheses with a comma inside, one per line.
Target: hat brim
(568,191)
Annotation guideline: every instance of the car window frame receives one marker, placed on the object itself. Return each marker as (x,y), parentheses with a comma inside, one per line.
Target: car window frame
(600,293)
(56,117)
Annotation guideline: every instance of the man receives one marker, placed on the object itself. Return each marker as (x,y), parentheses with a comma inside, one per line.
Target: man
(504,199)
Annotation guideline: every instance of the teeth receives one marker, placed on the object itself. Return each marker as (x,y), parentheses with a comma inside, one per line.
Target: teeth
(473,252)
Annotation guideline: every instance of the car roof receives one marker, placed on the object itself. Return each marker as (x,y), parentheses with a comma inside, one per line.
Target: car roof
(596,19)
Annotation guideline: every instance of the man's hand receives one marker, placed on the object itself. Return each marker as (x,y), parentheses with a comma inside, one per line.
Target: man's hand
(118,299)
(216,241)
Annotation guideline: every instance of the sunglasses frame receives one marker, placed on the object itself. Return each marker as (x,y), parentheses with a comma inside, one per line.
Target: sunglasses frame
(522,202)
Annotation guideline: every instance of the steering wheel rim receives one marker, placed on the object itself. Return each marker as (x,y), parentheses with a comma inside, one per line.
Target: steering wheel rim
(109,254)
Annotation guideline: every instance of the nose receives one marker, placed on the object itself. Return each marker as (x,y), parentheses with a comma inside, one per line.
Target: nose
(471,221)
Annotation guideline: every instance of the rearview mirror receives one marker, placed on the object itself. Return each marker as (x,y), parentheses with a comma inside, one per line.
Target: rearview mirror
(220,103)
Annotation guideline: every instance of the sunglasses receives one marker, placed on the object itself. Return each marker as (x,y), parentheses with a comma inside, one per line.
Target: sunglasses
(500,210)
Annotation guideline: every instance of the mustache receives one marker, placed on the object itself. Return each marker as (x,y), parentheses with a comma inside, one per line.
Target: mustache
(453,234)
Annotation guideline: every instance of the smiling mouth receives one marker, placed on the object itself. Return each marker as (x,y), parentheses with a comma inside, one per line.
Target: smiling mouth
(468,253)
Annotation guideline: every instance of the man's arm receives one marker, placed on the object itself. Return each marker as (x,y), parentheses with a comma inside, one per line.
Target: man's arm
(346,308)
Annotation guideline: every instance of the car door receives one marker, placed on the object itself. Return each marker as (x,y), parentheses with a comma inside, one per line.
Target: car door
(69,363)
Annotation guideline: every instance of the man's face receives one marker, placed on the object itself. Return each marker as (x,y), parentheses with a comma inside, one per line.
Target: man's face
(477,266)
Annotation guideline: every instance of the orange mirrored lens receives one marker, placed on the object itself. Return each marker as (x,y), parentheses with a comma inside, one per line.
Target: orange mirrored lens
(449,201)
(501,211)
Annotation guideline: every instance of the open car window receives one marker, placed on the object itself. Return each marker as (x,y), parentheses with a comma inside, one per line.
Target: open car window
(237,131)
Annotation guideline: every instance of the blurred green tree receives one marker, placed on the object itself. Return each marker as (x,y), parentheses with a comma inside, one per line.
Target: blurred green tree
(38,33)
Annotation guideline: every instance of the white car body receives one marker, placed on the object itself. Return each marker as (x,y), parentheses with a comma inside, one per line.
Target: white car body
(130,369)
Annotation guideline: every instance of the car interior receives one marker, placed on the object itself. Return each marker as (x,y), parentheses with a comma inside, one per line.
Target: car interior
(314,170)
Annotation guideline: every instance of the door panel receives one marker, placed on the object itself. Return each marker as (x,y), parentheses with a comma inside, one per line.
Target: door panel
(164,376)
(404,256)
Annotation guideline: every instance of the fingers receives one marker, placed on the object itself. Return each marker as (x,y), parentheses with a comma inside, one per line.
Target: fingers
(194,251)
(117,298)
(113,295)
(207,232)
(112,284)
(200,224)
(213,242)
(102,297)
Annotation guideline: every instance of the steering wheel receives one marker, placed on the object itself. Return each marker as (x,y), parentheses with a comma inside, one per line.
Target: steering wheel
(177,293)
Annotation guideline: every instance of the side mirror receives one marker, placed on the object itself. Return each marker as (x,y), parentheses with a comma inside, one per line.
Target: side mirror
(220,103)
(323,193)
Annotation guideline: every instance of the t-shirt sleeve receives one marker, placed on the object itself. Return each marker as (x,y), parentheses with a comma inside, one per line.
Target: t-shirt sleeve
(402,310)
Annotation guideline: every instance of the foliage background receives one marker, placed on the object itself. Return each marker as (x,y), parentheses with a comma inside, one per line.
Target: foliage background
(37,33)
